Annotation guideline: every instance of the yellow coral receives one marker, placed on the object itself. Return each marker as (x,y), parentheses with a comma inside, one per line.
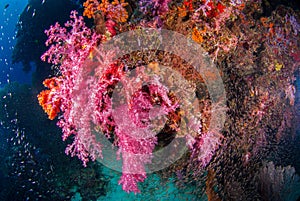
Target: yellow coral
(278,66)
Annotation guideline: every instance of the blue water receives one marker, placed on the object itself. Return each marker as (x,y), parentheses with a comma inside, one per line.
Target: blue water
(8,20)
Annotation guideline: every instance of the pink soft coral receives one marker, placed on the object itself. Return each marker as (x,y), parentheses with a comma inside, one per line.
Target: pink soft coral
(69,50)
(87,79)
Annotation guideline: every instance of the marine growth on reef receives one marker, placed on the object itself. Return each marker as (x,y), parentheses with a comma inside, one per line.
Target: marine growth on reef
(256,56)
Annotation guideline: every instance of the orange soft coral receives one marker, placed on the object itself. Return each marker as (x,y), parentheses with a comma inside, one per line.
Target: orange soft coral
(103,6)
(197,35)
(186,7)
(114,10)
(90,7)
(119,13)
(48,99)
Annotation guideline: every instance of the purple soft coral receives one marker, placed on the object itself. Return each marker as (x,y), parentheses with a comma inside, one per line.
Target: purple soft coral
(155,7)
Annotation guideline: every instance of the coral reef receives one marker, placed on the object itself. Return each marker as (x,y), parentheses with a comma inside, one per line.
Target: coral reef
(278,183)
(256,52)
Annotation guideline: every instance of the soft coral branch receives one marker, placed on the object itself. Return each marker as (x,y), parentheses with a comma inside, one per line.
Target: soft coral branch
(50,99)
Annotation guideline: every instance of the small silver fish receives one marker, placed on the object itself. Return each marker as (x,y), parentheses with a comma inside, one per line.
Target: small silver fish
(33,14)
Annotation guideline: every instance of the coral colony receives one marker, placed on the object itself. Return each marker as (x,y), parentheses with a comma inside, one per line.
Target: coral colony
(81,93)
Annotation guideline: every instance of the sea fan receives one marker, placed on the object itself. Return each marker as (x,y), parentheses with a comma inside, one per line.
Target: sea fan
(279,183)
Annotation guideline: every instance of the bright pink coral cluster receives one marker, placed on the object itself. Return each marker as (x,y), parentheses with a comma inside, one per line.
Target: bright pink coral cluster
(87,78)
(69,48)
(135,137)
